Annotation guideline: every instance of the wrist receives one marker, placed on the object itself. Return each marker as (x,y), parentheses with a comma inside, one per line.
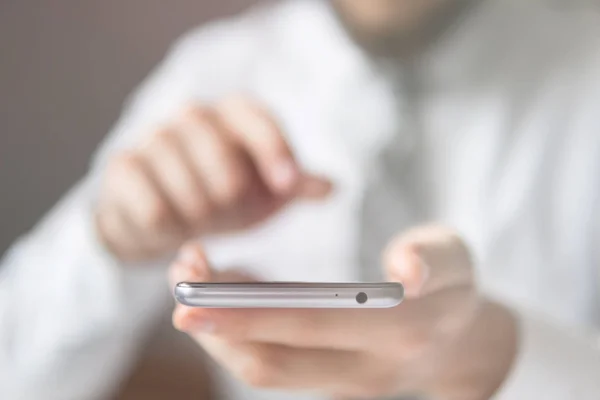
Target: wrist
(478,363)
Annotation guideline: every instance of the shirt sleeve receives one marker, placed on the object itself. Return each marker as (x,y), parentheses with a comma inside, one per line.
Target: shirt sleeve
(553,364)
(71,316)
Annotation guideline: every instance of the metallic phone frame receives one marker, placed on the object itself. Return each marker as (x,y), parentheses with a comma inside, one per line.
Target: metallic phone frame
(289,295)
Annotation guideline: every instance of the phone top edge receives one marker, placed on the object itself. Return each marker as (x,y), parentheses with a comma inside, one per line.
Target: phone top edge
(289,295)
(324,285)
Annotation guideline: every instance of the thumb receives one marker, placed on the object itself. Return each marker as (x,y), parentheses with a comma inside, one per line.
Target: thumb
(191,265)
(428,259)
(313,187)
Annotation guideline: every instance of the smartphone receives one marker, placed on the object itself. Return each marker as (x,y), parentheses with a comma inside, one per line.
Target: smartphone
(289,295)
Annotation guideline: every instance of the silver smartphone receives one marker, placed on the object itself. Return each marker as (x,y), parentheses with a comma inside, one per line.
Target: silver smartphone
(289,295)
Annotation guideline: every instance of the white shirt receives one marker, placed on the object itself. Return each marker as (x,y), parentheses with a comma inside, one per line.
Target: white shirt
(508,107)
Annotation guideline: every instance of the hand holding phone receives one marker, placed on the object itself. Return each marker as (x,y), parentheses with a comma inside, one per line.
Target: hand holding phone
(355,352)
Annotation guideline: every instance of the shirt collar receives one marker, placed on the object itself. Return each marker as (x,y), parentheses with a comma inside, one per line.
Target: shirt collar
(464,56)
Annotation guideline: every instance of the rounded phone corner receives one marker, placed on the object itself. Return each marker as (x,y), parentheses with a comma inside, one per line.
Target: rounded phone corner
(400,292)
(398,295)
(179,293)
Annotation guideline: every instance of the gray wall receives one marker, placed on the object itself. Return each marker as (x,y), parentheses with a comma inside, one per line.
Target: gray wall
(65,69)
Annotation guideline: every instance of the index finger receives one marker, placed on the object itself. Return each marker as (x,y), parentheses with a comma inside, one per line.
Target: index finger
(255,129)
(259,134)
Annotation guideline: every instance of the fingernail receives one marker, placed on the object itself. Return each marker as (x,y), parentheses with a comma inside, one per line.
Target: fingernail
(284,175)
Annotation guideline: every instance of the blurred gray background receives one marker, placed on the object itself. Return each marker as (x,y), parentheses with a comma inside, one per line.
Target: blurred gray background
(65,68)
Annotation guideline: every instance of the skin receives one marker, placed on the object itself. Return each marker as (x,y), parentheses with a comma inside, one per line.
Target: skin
(439,343)
(224,167)
(398,29)
(212,169)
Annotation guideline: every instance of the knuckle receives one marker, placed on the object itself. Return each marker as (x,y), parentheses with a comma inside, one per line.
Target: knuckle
(199,210)
(261,369)
(121,170)
(163,137)
(240,107)
(160,139)
(232,188)
(124,163)
(196,113)
(156,216)
(235,101)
